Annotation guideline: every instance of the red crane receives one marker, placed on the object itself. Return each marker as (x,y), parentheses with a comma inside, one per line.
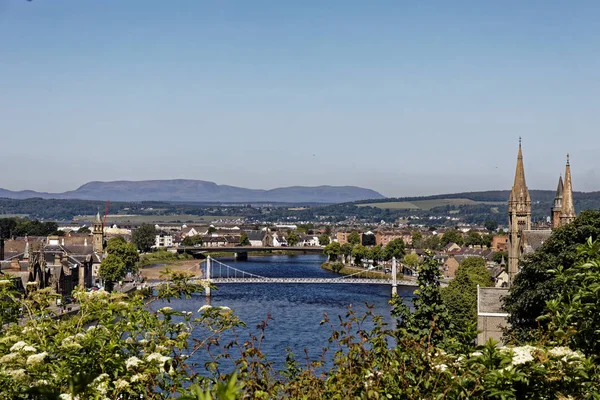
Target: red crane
(105,214)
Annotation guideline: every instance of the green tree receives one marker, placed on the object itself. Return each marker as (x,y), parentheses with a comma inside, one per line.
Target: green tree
(7,226)
(359,252)
(84,229)
(347,249)
(473,239)
(144,237)
(432,242)
(499,255)
(535,285)
(121,258)
(411,261)
(292,238)
(417,240)
(211,229)
(394,248)
(333,251)
(491,225)
(324,240)
(430,319)
(376,253)
(460,296)
(354,238)
(193,240)
(244,240)
(452,236)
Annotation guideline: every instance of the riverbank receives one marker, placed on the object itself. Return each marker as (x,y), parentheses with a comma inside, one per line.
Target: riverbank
(342,269)
(153,272)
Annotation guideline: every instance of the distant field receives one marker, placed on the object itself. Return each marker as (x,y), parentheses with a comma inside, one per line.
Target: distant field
(156,218)
(425,204)
(13,215)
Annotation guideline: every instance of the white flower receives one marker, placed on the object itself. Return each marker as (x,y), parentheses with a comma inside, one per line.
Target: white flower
(165,310)
(8,339)
(129,340)
(41,382)
(143,341)
(5,282)
(441,367)
(225,308)
(564,352)
(9,358)
(132,362)
(204,308)
(36,358)
(138,377)
(17,373)
(101,383)
(28,349)
(476,354)
(160,348)
(157,357)
(522,354)
(18,346)
(121,384)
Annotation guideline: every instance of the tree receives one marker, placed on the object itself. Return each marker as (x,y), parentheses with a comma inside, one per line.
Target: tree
(394,248)
(432,242)
(292,238)
(376,254)
(144,237)
(84,229)
(535,284)
(245,241)
(498,256)
(430,318)
(354,238)
(417,240)
(347,249)
(7,226)
(195,240)
(452,236)
(473,239)
(121,258)
(411,261)
(460,296)
(324,240)
(211,229)
(491,225)
(332,250)
(359,252)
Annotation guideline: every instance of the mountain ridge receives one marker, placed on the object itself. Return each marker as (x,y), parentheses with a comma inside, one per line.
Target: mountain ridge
(200,191)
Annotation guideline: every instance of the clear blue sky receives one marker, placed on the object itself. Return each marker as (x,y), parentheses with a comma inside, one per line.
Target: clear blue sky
(404,97)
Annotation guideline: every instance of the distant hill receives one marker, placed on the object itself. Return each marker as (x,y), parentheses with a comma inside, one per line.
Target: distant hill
(183,190)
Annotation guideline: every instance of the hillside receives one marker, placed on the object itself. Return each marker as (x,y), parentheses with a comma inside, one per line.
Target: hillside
(183,190)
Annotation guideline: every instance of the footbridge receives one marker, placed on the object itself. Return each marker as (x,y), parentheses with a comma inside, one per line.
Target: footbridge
(241,252)
(215,272)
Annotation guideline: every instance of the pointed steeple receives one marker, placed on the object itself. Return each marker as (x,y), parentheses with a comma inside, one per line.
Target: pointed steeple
(558,201)
(519,192)
(568,206)
(98,220)
(560,188)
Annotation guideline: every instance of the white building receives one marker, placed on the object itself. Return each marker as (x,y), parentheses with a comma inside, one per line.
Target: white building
(163,239)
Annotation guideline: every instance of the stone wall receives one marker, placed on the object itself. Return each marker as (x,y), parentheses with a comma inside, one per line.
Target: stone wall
(490,316)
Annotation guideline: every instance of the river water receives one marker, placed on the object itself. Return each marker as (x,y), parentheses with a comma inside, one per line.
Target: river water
(295,309)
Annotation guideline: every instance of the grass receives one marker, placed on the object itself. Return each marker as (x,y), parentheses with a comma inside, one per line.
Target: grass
(14,215)
(364,273)
(161,257)
(180,218)
(425,204)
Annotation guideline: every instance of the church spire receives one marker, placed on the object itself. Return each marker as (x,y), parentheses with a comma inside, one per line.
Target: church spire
(568,206)
(558,201)
(519,192)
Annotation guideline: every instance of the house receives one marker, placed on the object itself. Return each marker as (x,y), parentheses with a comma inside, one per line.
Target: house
(214,241)
(273,239)
(255,237)
(382,238)
(500,243)
(308,240)
(342,236)
(451,248)
(189,231)
(162,240)
(450,266)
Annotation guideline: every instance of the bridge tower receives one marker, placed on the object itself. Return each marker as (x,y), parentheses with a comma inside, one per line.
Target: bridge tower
(207,288)
(394,279)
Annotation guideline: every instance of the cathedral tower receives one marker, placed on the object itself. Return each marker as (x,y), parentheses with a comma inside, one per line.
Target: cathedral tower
(557,208)
(98,233)
(568,207)
(519,215)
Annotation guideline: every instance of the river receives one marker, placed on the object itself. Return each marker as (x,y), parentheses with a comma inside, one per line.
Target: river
(295,309)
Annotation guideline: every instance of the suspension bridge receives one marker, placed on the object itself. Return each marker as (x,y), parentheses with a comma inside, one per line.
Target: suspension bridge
(215,272)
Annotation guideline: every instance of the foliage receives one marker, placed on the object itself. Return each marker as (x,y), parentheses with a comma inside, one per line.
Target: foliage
(499,255)
(324,240)
(460,296)
(535,284)
(354,238)
(245,241)
(144,237)
(194,240)
(573,316)
(430,320)
(161,256)
(347,249)
(395,248)
(84,229)
(10,227)
(491,225)
(411,261)
(417,240)
(122,257)
(376,254)
(292,238)
(332,250)
(452,236)
(359,252)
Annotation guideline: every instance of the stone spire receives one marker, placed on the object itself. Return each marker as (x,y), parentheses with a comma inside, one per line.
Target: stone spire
(568,206)
(519,216)
(557,207)
(98,235)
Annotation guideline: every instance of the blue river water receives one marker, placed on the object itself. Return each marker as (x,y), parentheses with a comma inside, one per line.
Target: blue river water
(295,309)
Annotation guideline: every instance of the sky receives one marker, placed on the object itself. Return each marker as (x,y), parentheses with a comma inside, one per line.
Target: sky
(403,97)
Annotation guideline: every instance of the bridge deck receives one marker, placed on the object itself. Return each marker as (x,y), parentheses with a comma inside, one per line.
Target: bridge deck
(248,249)
(219,281)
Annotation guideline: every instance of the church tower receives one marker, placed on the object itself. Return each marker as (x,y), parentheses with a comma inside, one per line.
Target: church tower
(519,216)
(557,208)
(98,233)
(568,206)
